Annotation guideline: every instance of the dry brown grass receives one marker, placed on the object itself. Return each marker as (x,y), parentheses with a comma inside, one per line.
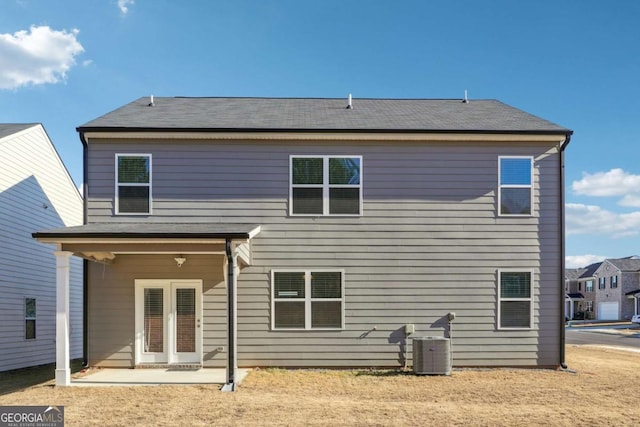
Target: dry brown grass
(602,392)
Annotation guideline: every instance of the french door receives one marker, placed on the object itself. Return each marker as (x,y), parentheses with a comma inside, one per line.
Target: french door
(168,321)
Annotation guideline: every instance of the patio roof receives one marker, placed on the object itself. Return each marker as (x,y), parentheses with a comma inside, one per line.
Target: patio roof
(200,231)
(101,242)
(575,295)
(633,294)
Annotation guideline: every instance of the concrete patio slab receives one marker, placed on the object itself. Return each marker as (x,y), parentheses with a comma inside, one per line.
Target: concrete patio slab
(150,377)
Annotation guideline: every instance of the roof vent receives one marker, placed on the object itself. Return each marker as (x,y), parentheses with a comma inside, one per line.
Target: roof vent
(349,103)
(465,100)
(151,104)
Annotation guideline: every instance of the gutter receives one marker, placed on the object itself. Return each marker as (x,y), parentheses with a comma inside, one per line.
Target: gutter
(563,146)
(230,385)
(144,129)
(85,263)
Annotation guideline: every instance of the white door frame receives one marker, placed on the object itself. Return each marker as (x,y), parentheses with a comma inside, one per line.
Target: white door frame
(169,354)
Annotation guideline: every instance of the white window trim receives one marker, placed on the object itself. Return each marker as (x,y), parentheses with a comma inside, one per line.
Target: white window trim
(530,299)
(117,184)
(307,297)
(325,183)
(586,286)
(35,318)
(500,186)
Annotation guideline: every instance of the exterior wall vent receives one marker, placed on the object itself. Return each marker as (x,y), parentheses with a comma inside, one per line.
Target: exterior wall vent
(431,356)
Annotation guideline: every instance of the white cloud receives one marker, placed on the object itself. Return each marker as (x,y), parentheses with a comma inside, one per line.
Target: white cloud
(616,182)
(579,261)
(632,200)
(124,5)
(38,56)
(589,219)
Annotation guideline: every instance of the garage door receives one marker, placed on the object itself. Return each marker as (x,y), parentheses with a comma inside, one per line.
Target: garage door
(607,311)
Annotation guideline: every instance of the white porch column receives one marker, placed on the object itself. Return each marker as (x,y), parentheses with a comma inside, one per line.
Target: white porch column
(570,309)
(63,369)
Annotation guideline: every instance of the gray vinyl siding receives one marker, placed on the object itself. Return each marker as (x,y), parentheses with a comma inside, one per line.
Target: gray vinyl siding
(36,193)
(429,242)
(112,304)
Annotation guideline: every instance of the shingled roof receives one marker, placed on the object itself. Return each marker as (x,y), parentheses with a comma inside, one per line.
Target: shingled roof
(7,129)
(321,114)
(626,264)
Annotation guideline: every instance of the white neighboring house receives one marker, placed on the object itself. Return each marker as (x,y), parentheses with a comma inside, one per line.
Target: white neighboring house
(36,192)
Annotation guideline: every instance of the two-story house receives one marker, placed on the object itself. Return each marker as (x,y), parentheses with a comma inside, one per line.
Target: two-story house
(616,280)
(582,287)
(319,233)
(573,298)
(36,192)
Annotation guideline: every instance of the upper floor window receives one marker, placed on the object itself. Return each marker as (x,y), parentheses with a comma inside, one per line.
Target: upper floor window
(30,318)
(614,281)
(309,299)
(326,185)
(133,184)
(515,300)
(602,283)
(589,286)
(515,192)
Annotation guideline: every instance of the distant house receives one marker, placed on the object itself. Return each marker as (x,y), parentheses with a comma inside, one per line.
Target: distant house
(36,192)
(607,290)
(573,298)
(580,292)
(617,282)
(320,233)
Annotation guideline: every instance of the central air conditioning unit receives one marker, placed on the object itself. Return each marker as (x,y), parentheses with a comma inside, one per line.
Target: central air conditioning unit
(431,356)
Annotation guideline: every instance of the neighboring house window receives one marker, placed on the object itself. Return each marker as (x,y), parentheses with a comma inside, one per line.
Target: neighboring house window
(589,286)
(602,283)
(30,318)
(579,286)
(614,281)
(309,299)
(133,184)
(515,192)
(515,305)
(590,306)
(326,185)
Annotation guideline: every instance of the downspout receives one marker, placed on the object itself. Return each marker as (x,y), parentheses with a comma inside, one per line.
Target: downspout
(230,385)
(85,263)
(563,146)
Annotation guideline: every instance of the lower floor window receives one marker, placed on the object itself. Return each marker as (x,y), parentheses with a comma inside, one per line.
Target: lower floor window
(589,306)
(30,318)
(515,302)
(307,299)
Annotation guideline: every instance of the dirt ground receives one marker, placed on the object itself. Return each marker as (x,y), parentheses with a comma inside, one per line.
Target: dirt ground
(601,392)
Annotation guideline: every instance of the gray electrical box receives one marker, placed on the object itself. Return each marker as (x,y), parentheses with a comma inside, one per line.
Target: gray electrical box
(431,356)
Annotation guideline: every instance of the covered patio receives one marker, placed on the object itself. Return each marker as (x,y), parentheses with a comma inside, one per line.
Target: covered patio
(105,242)
(635,295)
(570,300)
(151,377)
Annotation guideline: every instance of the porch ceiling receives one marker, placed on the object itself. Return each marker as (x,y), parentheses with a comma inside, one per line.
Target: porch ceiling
(101,242)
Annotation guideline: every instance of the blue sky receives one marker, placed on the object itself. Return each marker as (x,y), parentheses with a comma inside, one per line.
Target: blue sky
(574,62)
